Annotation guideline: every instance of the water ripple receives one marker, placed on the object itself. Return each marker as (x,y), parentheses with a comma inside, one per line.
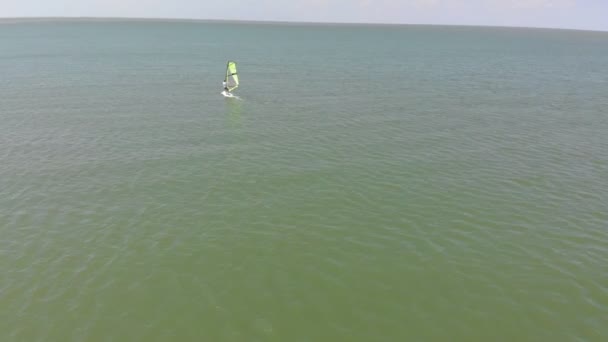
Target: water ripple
(136,206)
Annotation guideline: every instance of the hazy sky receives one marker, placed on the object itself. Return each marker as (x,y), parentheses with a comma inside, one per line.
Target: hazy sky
(583,14)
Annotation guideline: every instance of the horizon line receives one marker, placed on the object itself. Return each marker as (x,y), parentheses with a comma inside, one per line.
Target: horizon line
(288,22)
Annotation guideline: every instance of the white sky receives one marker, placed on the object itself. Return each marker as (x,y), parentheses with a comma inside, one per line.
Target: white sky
(581,14)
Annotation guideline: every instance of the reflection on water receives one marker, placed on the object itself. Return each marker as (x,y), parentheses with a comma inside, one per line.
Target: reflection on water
(233,111)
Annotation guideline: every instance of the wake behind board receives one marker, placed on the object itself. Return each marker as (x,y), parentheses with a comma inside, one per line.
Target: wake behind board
(229,95)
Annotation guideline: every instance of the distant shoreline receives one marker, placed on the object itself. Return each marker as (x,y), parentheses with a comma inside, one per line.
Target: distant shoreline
(17,20)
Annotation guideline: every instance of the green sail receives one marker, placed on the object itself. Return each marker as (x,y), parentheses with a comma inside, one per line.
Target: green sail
(232,78)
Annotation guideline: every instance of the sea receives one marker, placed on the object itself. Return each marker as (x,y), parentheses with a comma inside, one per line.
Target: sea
(369,183)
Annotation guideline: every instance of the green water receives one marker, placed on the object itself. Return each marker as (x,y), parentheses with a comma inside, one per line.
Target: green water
(373,183)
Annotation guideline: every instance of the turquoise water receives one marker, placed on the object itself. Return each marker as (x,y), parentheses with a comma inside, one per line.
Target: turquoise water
(373,183)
